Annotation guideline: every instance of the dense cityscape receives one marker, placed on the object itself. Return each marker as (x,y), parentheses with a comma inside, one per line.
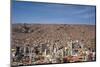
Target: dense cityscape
(50,44)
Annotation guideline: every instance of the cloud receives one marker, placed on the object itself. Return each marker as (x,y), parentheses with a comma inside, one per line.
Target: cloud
(52,13)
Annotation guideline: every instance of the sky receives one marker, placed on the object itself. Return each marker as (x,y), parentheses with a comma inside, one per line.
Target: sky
(46,13)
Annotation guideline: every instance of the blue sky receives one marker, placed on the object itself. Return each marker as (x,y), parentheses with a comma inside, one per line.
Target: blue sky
(45,13)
